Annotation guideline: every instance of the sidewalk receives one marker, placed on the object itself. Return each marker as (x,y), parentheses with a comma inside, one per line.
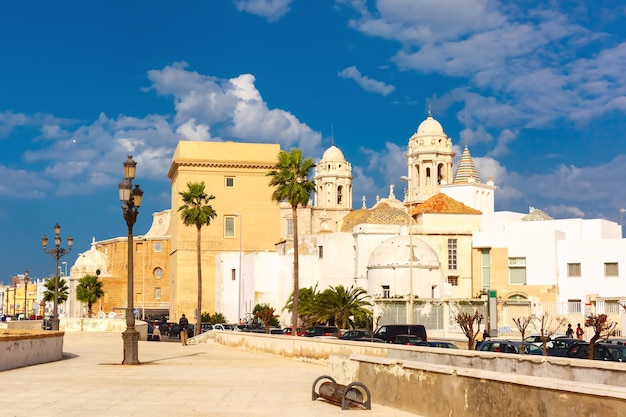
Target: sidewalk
(173,380)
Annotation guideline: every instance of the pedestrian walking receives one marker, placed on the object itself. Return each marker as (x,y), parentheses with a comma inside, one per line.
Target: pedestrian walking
(183,325)
(570,332)
(156,332)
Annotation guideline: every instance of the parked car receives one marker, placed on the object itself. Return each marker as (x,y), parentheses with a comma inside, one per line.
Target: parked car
(406,339)
(537,339)
(601,352)
(510,346)
(613,341)
(174,331)
(299,332)
(356,334)
(369,339)
(559,345)
(322,331)
(223,326)
(438,344)
(389,331)
(205,327)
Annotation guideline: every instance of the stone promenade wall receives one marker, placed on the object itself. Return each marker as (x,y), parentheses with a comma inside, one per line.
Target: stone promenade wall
(447,382)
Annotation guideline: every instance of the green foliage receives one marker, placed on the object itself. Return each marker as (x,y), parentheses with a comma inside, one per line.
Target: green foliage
(265,313)
(339,305)
(308,306)
(89,290)
(62,290)
(213,318)
(196,210)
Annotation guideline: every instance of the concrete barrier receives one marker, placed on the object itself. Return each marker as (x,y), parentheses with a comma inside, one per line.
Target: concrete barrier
(447,382)
(29,347)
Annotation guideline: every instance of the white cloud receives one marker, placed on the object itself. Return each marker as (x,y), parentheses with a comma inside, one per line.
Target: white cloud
(272,10)
(365,82)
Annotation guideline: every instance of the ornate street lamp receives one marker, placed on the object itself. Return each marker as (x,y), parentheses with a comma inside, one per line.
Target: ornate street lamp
(57,252)
(131,201)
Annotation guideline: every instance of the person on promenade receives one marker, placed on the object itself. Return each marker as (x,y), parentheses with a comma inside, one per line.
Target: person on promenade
(570,332)
(579,332)
(183,325)
(156,332)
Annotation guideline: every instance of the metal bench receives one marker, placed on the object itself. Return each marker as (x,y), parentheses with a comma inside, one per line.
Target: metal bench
(354,395)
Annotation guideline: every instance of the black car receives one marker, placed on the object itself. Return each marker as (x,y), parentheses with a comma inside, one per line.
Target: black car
(406,339)
(559,346)
(438,344)
(322,331)
(389,331)
(510,346)
(601,352)
(356,334)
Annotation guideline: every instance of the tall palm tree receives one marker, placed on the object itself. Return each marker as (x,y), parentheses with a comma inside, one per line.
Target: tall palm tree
(196,211)
(89,290)
(338,304)
(290,177)
(62,290)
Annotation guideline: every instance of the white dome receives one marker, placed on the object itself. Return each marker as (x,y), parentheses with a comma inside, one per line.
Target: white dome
(333,154)
(395,252)
(91,261)
(430,127)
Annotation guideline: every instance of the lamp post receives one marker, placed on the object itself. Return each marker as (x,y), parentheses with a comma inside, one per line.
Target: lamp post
(131,201)
(409,223)
(26,279)
(57,252)
(240,277)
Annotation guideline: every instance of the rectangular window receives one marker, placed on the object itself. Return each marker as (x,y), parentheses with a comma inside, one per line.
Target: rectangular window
(386,292)
(229,226)
(229,182)
(158,246)
(574,306)
(610,269)
(139,247)
(454,281)
(573,270)
(517,271)
(452,253)
(485,262)
(233,274)
(289,227)
(157,293)
(320,252)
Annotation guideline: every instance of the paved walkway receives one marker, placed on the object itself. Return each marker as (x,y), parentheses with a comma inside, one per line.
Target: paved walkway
(173,380)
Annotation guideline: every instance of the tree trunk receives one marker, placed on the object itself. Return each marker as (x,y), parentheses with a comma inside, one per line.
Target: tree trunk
(199,255)
(296,283)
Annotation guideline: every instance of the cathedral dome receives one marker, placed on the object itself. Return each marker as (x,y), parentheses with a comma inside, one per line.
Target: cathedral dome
(333,154)
(91,261)
(396,251)
(430,127)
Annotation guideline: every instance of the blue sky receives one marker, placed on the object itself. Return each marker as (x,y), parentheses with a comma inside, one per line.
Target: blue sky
(536,90)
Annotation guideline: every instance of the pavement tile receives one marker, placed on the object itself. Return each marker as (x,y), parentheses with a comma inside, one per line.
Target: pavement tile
(206,379)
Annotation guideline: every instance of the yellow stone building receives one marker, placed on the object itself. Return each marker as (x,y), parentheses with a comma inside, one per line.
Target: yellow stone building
(236,174)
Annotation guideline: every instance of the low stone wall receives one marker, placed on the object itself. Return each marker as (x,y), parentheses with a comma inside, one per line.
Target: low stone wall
(29,347)
(101,325)
(447,382)
(445,391)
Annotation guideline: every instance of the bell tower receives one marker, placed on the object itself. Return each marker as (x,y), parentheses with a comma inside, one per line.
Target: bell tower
(429,159)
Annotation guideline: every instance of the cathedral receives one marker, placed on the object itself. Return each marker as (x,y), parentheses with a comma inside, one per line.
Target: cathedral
(441,240)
